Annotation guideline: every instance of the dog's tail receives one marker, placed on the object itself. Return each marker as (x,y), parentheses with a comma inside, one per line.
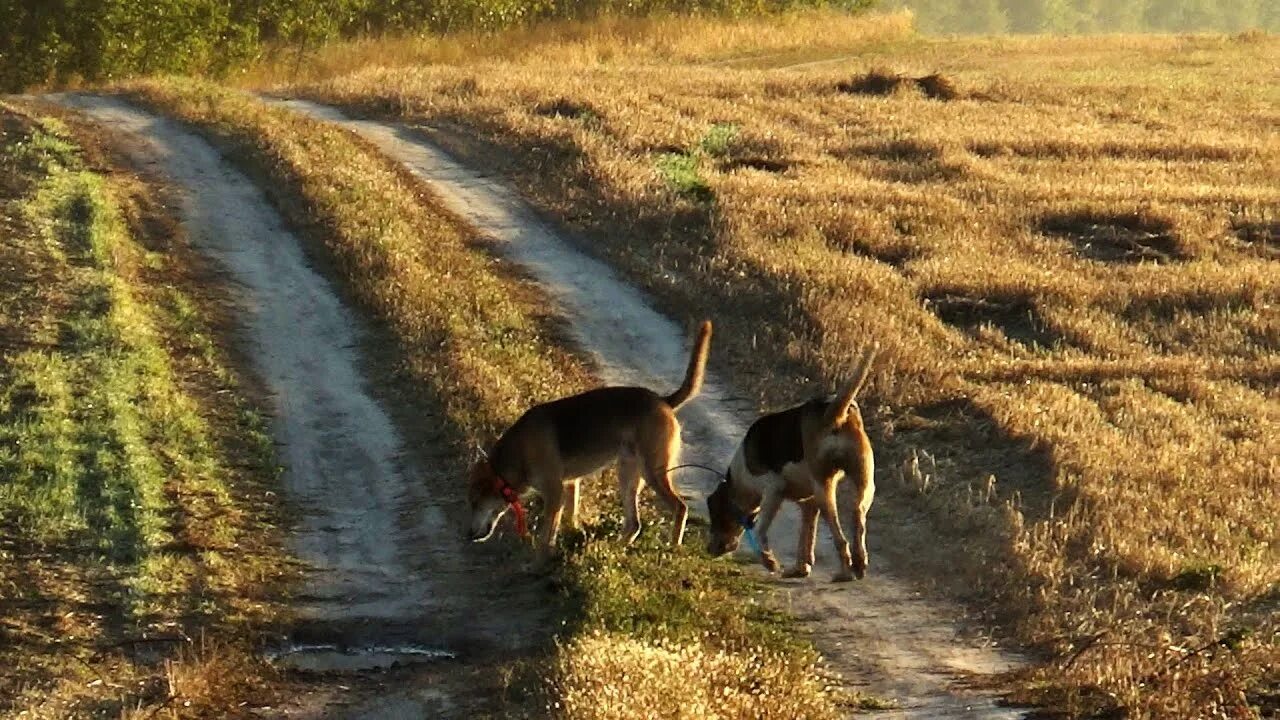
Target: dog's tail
(697,368)
(838,411)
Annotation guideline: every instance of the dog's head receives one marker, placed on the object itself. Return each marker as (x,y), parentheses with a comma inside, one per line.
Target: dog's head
(484,501)
(725,532)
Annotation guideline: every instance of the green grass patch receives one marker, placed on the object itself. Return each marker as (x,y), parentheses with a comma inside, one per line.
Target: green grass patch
(719,139)
(78,421)
(661,630)
(656,592)
(124,484)
(652,591)
(680,170)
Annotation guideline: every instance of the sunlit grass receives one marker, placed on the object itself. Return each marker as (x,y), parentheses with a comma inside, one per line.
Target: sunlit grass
(608,40)
(1070,266)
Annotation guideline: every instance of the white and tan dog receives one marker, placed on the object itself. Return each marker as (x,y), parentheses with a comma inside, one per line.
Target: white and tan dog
(800,454)
(554,444)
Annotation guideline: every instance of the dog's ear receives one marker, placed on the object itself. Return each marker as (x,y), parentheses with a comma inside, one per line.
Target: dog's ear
(716,502)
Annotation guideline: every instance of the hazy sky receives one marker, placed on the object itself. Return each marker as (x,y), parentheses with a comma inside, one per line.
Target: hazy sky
(1091,16)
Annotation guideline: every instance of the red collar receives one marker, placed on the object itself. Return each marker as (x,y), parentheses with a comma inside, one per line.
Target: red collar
(509,494)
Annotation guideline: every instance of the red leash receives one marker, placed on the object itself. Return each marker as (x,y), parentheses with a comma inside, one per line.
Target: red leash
(509,494)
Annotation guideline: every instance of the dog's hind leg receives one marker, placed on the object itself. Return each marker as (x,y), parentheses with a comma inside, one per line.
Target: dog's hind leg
(629,494)
(827,505)
(807,539)
(860,559)
(662,456)
(864,494)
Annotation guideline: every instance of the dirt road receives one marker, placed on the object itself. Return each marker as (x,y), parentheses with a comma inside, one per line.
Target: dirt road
(391,569)
(881,634)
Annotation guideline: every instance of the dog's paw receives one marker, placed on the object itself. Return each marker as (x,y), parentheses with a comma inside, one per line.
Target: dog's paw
(845,575)
(801,570)
(860,566)
(630,533)
(543,563)
(770,562)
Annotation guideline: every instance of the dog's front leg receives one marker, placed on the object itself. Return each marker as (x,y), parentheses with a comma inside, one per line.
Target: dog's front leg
(571,505)
(827,505)
(629,494)
(552,507)
(769,506)
(807,539)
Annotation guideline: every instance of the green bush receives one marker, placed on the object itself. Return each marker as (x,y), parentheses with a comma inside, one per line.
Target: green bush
(54,41)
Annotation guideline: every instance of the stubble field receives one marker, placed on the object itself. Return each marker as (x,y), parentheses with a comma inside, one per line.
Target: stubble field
(1066,248)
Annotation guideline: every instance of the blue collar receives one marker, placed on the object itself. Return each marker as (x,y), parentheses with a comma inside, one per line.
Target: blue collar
(748,527)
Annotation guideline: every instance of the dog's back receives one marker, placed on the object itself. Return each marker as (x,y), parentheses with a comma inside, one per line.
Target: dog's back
(600,420)
(557,442)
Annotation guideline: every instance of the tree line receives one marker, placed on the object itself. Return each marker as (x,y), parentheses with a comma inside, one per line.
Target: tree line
(1091,16)
(54,41)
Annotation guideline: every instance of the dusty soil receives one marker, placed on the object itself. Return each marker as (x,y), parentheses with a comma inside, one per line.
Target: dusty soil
(390,566)
(882,635)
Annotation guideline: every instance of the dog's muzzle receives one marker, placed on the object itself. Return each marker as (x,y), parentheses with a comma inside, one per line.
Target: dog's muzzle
(718,546)
(480,533)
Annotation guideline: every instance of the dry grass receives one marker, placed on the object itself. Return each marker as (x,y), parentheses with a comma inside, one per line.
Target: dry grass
(608,677)
(472,347)
(880,82)
(655,40)
(1071,271)
(131,512)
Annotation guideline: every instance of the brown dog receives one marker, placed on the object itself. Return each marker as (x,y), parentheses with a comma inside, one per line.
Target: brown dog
(799,455)
(554,444)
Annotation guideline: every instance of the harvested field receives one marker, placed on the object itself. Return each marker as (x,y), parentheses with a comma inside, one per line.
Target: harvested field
(1048,208)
